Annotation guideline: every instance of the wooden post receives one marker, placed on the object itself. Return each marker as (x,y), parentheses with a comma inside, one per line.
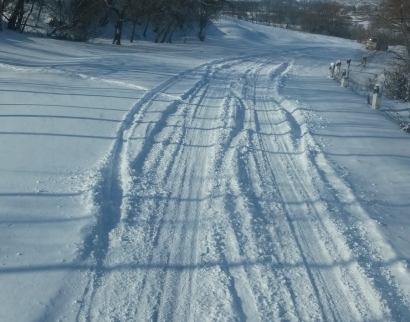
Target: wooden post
(348,67)
(376,97)
(332,70)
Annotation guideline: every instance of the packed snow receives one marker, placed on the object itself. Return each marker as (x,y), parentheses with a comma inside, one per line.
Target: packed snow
(230,180)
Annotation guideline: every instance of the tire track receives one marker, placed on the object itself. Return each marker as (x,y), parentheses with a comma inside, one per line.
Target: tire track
(249,187)
(143,172)
(109,194)
(189,237)
(322,233)
(216,214)
(337,198)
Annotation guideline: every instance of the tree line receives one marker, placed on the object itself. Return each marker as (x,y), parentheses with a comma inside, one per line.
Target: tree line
(393,17)
(83,19)
(387,19)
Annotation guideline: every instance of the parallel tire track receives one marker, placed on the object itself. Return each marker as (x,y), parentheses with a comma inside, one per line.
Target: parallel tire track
(219,211)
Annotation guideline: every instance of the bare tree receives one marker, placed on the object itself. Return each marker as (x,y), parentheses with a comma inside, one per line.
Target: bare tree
(206,10)
(17,16)
(137,10)
(23,24)
(327,18)
(394,15)
(76,19)
(41,4)
(3,5)
(120,9)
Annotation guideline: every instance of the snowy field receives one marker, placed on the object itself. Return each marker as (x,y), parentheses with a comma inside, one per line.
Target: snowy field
(230,180)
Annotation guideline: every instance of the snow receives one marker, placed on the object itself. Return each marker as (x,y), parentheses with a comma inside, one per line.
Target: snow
(230,180)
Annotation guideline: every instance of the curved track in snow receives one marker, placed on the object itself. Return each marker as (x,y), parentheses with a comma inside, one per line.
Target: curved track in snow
(218,205)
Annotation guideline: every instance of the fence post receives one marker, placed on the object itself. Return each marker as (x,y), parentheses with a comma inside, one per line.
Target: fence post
(376,97)
(332,70)
(338,67)
(348,66)
(345,79)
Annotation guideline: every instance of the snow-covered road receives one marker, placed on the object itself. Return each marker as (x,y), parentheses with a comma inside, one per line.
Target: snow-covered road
(220,206)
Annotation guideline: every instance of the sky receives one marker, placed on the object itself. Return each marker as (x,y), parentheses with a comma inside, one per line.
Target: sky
(230,180)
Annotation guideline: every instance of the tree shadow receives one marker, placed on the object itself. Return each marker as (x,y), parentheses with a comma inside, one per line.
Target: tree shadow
(60,135)
(66,106)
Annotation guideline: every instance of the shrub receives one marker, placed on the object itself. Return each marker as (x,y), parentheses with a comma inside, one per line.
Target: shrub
(397,84)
